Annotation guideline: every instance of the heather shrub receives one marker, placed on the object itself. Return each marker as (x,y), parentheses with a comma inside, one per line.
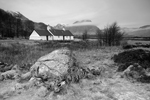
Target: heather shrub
(126,58)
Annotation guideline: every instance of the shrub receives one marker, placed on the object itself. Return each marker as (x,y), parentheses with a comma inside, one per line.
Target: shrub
(130,57)
(99,37)
(85,36)
(134,64)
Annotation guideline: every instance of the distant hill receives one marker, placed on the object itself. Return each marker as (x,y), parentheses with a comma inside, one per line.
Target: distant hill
(59,26)
(19,15)
(79,30)
(15,24)
(145,26)
(143,31)
(37,25)
(40,26)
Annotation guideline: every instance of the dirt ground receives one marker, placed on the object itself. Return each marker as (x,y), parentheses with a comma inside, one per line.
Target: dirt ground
(108,86)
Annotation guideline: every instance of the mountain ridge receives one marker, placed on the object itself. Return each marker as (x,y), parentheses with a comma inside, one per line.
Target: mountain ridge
(143,31)
(145,26)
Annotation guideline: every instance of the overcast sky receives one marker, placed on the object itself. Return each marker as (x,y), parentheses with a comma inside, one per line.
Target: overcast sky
(128,13)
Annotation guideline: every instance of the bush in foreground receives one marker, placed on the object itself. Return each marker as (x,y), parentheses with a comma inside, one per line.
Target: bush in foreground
(134,64)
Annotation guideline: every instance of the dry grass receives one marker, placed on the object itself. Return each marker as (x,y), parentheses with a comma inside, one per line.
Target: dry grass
(108,86)
(26,51)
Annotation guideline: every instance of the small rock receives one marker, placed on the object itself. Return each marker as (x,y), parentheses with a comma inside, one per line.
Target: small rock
(1,77)
(9,74)
(42,91)
(18,86)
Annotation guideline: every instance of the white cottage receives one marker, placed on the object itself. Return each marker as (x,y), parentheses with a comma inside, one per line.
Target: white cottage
(40,35)
(51,34)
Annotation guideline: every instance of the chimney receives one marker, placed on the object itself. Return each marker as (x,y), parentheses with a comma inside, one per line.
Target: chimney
(63,29)
(48,27)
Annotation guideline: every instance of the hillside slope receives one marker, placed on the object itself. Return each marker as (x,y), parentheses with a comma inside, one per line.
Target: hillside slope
(143,31)
(15,24)
(79,30)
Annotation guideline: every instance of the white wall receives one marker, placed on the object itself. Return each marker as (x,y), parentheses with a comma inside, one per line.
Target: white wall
(57,37)
(69,38)
(34,36)
(72,37)
(43,37)
(50,37)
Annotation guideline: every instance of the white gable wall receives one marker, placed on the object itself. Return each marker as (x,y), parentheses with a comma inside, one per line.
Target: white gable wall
(34,36)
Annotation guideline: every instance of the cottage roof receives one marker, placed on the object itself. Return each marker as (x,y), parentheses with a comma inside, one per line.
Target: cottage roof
(68,33)
(57,32)
(43,32)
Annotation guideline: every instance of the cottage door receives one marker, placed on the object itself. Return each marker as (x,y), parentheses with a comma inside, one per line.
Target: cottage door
(47,38)
(63,37)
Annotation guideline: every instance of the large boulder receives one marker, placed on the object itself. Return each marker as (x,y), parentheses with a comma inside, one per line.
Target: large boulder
(49,70)
(55,63)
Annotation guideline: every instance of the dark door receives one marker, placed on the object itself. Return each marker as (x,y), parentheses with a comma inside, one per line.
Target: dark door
(63,37)
(47,38)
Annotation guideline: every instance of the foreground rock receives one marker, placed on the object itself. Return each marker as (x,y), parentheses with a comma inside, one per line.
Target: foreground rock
(56,63)
(50,69)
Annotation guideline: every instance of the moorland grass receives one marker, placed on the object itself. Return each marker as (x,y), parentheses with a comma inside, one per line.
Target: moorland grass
(17,53)
(25,55)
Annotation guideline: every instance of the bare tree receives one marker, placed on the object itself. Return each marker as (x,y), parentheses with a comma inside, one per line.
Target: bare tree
(99,37)
(85,36)
(112,35)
